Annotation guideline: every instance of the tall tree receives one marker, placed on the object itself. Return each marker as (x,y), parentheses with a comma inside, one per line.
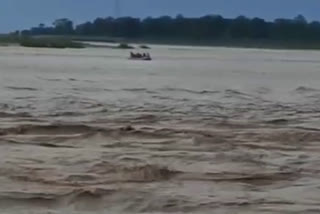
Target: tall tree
(63,26)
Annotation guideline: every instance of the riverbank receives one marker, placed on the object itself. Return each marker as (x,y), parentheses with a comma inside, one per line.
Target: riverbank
(72,41)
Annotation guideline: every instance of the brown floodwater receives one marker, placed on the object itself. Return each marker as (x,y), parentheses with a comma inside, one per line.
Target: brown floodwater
(196,130)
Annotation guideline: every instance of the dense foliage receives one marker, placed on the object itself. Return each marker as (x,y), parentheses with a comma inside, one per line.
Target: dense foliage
(213,27)
(48,43)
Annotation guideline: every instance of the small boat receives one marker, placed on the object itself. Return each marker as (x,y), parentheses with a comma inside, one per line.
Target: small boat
(138,56)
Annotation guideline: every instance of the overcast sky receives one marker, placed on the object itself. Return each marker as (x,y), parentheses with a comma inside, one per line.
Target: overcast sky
(19,14)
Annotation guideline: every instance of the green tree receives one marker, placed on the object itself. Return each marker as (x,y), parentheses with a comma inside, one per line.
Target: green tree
(63,26)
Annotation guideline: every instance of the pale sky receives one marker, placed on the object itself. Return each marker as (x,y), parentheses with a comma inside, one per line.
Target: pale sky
(20,14)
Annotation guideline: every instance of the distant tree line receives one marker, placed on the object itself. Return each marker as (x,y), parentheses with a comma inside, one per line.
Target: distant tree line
(208,27)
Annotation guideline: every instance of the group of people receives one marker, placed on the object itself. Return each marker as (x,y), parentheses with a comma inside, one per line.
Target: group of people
(140,56)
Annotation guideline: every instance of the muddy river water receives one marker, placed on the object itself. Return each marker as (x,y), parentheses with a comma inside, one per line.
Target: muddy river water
(196,130)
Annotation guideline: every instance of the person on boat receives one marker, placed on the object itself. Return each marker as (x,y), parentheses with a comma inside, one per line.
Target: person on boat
(143,56)
(135,55)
